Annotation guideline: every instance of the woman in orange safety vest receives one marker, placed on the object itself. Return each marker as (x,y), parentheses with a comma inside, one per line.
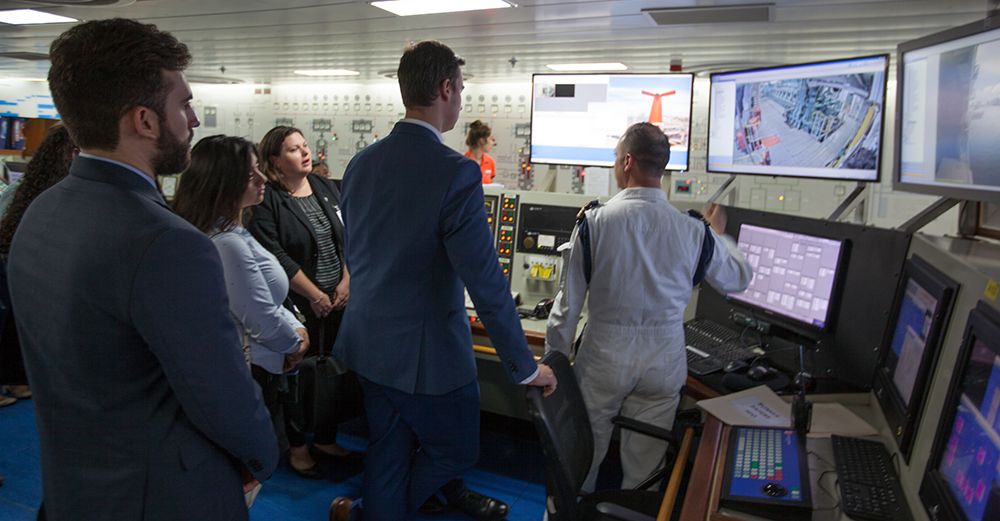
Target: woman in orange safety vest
(480,141)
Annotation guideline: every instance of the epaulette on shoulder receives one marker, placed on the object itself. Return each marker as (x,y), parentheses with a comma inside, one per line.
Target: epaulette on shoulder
(697,215)
(583,211)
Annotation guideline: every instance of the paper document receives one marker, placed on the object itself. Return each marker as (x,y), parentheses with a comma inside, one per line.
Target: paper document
(834,418)
(761,407)
(754,407)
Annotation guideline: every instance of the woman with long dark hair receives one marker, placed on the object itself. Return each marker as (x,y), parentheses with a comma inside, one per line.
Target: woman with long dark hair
(216,193)
(299,222)
(49,165)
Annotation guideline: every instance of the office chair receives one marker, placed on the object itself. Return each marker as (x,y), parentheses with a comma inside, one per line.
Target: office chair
(568,445)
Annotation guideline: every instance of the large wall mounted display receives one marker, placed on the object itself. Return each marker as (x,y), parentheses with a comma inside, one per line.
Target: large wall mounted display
(948,113)
(577,119)
(819,120)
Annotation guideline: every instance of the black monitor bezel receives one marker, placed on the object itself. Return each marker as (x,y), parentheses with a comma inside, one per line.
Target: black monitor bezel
(956,33)
(903,418)
(531,114)
(794,325)
(936,497)
(881,154)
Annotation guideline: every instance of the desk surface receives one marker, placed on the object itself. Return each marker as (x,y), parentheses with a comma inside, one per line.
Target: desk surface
(701,501)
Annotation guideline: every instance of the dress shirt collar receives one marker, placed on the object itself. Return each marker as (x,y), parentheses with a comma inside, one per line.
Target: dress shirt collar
(128,167)
(422,123)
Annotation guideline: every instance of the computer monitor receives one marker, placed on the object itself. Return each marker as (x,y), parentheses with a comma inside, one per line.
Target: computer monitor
(577,119)
(962,482)
(948,113)
(818,120)
(909,351)
(795,275)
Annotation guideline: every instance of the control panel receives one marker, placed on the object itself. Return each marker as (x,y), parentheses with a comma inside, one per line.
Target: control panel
(505,232)
(544,227)
(492,202)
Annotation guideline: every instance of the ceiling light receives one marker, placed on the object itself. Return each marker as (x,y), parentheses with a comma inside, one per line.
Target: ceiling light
(562,67)
(327,72)
(415,7)
(30,16)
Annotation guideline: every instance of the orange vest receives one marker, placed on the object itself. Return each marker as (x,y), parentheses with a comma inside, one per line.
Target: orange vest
(488,166)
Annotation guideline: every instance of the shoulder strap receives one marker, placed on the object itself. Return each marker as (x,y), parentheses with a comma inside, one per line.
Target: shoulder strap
(707,249)
(583,231)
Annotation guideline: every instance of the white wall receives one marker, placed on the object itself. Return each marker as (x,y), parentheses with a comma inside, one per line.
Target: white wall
(251,110)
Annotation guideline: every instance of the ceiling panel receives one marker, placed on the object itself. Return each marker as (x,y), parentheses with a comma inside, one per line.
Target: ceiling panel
(263,41)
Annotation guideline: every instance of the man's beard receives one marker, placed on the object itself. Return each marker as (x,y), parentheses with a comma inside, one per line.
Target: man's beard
(173,155)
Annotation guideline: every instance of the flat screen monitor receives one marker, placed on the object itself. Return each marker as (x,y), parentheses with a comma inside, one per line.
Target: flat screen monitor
(576,119)
(909,351)
(819,120)
(948,113)
(794,275)
(962,482)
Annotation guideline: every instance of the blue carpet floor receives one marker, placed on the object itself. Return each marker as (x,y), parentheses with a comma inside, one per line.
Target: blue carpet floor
(510,468)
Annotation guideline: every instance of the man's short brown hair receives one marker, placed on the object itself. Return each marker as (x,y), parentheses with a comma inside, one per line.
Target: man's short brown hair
(648,146)
(422,69)
(104,68)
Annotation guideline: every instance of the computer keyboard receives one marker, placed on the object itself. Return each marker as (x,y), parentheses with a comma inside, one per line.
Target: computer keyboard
(869,488)
(710,346)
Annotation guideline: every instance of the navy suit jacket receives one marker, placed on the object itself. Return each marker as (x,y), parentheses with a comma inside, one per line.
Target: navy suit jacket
(144,404)
(415,232)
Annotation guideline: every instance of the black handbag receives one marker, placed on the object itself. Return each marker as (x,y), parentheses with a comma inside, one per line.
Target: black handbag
(327,390)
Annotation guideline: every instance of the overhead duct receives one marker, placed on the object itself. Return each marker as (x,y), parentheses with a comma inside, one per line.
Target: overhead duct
(68,3)
(24,55)
(715,14)
(212,80)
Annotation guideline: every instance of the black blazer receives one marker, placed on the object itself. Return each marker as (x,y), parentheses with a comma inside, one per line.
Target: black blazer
(280,225)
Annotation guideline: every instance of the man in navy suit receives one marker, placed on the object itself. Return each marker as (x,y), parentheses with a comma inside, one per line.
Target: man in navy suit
(144,404)
(416,233)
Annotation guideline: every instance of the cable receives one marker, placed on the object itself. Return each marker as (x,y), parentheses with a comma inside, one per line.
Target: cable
(836,482)
(822,459)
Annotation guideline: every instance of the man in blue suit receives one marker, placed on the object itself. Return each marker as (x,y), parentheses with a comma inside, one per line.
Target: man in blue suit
(416,233)
(144,404)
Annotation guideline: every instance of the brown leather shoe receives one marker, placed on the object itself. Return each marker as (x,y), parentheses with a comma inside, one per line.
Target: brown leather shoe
(340,509)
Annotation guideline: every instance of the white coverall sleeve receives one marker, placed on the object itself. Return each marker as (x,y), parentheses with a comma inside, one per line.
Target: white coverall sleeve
(729,270)
(561,328)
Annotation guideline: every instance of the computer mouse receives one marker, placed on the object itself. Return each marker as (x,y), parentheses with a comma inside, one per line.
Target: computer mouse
(735,366)
(760,372)
(773,489)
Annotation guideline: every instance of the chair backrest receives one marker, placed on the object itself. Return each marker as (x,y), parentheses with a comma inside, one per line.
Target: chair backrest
(567,441)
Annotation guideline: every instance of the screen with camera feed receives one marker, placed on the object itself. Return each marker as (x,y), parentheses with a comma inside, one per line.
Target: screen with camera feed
(819,120)
(577,119)
(949,117)
(794,275)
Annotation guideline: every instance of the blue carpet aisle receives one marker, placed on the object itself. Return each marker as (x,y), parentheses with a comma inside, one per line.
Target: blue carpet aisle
(510,468)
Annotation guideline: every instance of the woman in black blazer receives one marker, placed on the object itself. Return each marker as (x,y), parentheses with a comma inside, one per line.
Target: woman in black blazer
(299,223)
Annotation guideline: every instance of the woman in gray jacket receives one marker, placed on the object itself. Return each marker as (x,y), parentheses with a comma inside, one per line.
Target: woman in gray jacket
(216,193)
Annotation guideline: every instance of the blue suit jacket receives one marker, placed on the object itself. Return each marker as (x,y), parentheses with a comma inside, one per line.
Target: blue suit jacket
(143,401)
(415,232)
